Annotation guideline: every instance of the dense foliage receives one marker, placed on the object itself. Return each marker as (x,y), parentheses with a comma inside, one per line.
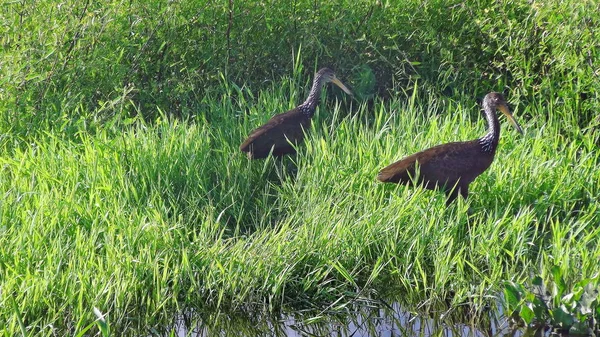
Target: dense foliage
(67,64)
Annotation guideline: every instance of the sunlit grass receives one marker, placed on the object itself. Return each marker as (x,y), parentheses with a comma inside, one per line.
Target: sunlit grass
(170,216)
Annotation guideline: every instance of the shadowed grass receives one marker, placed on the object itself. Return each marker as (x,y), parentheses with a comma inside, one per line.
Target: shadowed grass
(74,65)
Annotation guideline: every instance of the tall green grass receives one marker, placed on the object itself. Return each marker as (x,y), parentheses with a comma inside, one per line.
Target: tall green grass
(169,216)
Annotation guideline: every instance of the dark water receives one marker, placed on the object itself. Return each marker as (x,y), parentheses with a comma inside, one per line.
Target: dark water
(364,320)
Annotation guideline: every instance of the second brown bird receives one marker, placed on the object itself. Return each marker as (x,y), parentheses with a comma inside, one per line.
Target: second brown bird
(453,166)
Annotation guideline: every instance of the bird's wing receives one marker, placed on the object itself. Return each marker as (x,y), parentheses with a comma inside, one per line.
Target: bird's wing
(277,130)
(440,163)
(400,171)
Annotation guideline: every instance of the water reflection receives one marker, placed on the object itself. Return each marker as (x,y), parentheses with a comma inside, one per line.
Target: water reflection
(364,320)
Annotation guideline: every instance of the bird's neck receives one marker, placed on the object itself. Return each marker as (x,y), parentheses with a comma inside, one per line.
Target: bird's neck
(310,104)
(489,142)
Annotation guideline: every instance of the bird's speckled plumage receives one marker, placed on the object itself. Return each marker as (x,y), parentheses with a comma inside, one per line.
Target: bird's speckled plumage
(452,166)
(285,130)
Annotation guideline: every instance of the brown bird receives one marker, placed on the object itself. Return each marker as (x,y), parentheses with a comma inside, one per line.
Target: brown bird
(453,166)
(285,130)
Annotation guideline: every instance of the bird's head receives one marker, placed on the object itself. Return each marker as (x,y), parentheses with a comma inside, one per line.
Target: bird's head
(495,100)
(327,75)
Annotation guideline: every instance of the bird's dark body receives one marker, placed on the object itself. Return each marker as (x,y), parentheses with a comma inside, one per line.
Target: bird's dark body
(452,166)
(284,131)
(280,134)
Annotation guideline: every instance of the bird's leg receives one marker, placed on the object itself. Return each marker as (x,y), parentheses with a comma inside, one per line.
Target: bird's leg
(464,191)
(453,193)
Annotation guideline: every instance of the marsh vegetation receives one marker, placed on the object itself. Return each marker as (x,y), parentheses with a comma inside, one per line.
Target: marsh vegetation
(124,194)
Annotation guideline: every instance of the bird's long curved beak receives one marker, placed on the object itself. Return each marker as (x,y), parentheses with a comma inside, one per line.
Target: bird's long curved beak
(341,85)
(510,117)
